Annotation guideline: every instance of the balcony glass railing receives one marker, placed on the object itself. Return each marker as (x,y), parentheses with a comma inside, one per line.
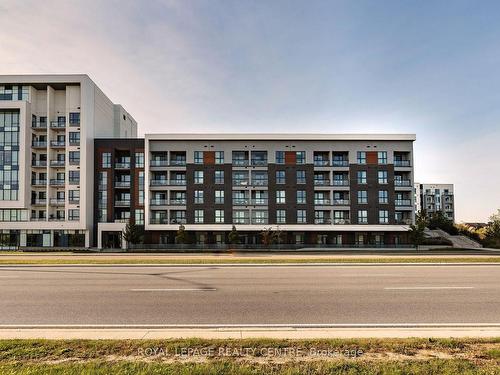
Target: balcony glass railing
(260,220)
(122,203)
(38,182)
(74,181)
(321,182)
(39,144)
(340,221)
(56,202)
(341,182)
(340,163)
(158,202)
(56,182)
(39,125)
(39,202)
(241,220)
(39,163)
(402,163)
(321,163)
(178,163)
(322,202)
(178,202)
(122,165)
(57,125)
(122,184)
(240,162)
(178,182)
(259,162)
(57,143)
(404,183)
(259,201)
(159,182)
(259,182)
(158,163)
(158,220)
(242,182)
(325,220)
(57,163)
(241,201)
(403,202)
(74,142)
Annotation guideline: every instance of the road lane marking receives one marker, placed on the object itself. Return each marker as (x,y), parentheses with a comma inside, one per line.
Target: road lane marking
(175,290)
(428,287)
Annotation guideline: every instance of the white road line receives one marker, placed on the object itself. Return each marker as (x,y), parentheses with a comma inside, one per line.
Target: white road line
(175,290)
(428,287)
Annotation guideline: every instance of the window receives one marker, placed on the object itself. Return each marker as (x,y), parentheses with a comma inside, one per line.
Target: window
(219,216)
(301,177)
(382,177)
(198,196)
(74,157)
(74,118)
(383,217)
(139,159)
(219,196)
(301,196)
(198,177)
(198,216)
(106,160)
(141,188)
(280,177)
(362,216)
(102,215)
(74,139)
(361,177)
(139,216)
(74,197)
(300,157)
(74,215)
(361,157)
(383,197)
(219,177)
(301,216)
(382,157)
(362,197)
(74,176)
(219,157)
(198,157)
(280,216)
(280,157)
(240,217)
(280,196)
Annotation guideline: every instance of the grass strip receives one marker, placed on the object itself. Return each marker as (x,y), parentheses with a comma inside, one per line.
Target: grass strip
(247,261)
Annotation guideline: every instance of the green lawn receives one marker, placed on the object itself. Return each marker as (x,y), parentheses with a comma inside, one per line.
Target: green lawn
(376,356)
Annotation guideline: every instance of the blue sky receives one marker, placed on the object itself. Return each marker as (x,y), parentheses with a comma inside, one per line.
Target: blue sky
(425,67)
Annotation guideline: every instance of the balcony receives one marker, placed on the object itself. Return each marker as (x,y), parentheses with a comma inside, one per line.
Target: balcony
(321,163)
(74,142)
(57,125)
(259,201)
(122,184)
(322,202)
(341,221)
(240,162)
(39,125)
(74,200)
(158,202)
(60,218)
(177,182)
(322,182)
(340,163)
(178,163)
(178,202)
(74,161)
(402,163)
(120,203)
(403,202)
(158,163)
(56,202)
(158,220)
(39,144)
(242,182)
(56,182)
(57,163)
(58,144)
(39,202)
(39,163)
(325,220)
(260,220)
(241,220)
(122,165)
(343,182)
(259,182)
(178,220)
(74,181)
(402,183)
(341,202)
(241,201)
(259,162)
(159,182)
(39,182)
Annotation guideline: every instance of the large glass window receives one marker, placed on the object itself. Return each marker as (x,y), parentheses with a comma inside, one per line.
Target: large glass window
(9,155)
(198,196)
(219,196)
(198,157)
(301,217)
(383,197)
(361,157)
(383,217)
(362,216)
(301,177)
(198,216)
(219,157)
(280,216)
(219,177)
(74,118)
(198,177)
(382,157)
(362,197)
(139,159)
(382,177)
(106,160)
(280,157)
(139,216)
(361,177)
(280,177)
(219,216)
(280,196)
(301,196)
(300,157)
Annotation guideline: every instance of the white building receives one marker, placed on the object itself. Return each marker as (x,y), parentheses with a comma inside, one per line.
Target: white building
(47,127)
(433,198)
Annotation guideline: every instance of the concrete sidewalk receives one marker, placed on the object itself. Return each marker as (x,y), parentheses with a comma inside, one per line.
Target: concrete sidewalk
(244,333)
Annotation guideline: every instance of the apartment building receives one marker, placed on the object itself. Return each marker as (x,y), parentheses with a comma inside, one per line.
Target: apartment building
(314,188)
(47,127)
(433,198)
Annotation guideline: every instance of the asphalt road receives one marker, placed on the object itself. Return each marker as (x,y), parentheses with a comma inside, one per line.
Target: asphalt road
(250,295)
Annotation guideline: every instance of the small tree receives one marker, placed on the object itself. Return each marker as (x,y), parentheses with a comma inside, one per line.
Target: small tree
(278,236)
(267,236)
(417,230)
(492,232)
(233,236)
(132,234)
(181,237)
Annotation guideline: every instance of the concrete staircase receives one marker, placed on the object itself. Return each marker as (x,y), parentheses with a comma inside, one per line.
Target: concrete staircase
(458,241)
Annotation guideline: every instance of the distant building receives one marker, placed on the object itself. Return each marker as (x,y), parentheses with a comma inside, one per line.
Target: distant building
(433,198)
